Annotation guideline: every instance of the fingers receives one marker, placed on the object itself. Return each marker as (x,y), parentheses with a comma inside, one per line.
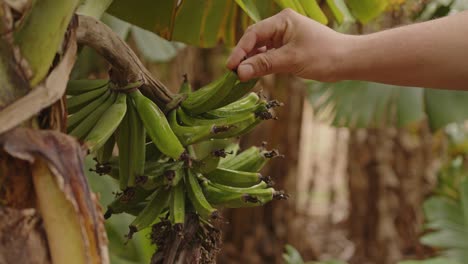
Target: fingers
(272,61)
(266,32)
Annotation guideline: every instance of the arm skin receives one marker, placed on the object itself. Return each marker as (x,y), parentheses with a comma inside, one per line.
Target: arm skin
(431,54)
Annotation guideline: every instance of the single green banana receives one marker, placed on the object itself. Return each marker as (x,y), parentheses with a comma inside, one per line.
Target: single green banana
(240,90)
(104,154)
(107,123)
(244,105)
(235,178)
(226,188)
(76,87)
(177,206)
(193,134)
(252,198)
(137,144)
(81,100)
(124,145)
(252,159)
(157,126)
(74,119)
(150,213)
(127,199)
(82,129)
(197,198)
(208,97)
(238,128)
(230,120)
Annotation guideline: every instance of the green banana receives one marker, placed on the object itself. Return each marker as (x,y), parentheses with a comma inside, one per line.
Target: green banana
(210,162)
(239,91)
(226,188)
(245,105)
(137,144)
(104,154)
(252,159)
(129,198)
(238,128)
(76,87)
(74,119)
(230,120)
(81,100)
(197,198)
(82,129)
(190,135)
(151,211)
(124,145)
(235,178)
(256,197)
(208,97)
(177,205)
(157,126)
(107,123)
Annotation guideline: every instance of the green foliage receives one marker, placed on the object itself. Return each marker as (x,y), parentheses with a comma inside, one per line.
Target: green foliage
(366,104)
(444,107)
(292,256)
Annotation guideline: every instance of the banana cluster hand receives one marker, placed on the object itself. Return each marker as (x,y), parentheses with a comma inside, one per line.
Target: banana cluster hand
(157,176)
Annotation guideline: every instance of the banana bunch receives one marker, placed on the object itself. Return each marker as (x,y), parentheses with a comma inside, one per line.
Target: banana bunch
(158,177)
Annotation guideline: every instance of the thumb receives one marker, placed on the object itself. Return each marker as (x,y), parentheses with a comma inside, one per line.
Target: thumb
(272,61)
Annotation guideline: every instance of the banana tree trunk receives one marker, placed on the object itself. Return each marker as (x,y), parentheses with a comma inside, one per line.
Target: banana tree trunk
(258,235)
(390,172)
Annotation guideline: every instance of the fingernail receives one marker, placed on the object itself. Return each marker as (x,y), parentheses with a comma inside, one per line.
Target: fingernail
(245,71)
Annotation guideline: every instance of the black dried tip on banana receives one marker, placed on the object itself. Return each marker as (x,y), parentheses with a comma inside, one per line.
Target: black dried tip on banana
(101,169)
(108,213)
(272,154)
(221,153)
(280,195)
(273,104)
(169,175)
(140,180)
(268,180)
(265,115)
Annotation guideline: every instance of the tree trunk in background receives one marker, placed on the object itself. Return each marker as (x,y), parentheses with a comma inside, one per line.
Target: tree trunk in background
(390,172)
(258,235)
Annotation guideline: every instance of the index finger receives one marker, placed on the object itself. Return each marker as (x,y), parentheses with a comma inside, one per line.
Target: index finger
(255,36)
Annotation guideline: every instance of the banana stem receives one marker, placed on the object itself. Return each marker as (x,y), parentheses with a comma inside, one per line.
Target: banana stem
(126,67)
(61,221)
(41,34)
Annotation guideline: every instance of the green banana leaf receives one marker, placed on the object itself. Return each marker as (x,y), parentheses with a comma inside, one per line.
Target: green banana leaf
(359,104)
(449,219)
(205,23)
(367,10)
(138,250)
(366,104)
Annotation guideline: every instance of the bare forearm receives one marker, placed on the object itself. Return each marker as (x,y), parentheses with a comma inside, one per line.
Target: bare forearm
(432,54)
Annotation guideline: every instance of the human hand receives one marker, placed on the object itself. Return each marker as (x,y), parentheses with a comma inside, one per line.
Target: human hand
(287,43)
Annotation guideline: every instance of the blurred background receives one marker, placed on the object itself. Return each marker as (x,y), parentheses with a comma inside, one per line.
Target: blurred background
(374,172)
